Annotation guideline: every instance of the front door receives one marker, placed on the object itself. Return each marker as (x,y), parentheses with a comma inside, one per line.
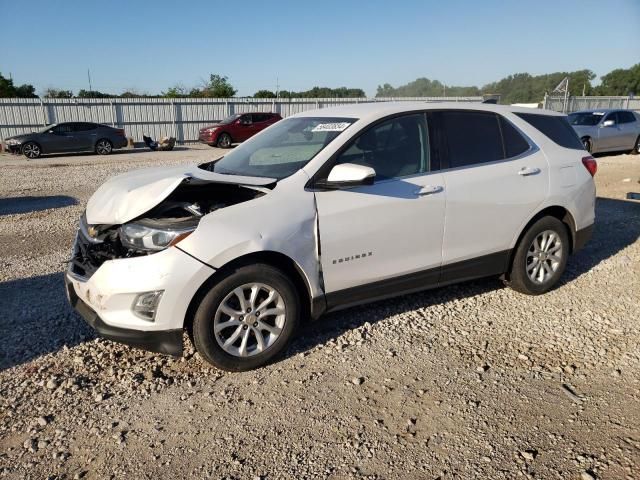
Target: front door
(385,238)
(612,136)
(60,138)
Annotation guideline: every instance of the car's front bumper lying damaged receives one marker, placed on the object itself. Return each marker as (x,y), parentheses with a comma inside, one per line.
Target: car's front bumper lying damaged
(162,341)
(112,298)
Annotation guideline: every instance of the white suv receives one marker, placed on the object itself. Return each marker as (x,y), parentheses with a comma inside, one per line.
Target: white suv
(328,209)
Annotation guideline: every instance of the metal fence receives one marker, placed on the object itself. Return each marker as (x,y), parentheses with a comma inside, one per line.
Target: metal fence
(573,104)
(179,117)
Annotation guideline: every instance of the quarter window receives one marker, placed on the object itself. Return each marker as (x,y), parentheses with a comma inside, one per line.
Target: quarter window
(555,127)
(471,137)
(394,148)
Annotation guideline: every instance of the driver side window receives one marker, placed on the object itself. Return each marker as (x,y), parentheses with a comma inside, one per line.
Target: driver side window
(612,116)
(395,148)
(63,128)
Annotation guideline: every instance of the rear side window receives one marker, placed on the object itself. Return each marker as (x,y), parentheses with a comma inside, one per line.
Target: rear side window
(556,128)
(626,117)
(514,142)
(471,137)
(260,117)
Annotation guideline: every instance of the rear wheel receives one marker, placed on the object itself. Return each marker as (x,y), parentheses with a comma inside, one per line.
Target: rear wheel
(104,147)
(247,318)
(541,257)
(636,148)
(224,140)
(31,150)
(586,143)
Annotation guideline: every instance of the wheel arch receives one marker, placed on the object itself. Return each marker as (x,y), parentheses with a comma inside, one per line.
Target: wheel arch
(310,309)
(556,211)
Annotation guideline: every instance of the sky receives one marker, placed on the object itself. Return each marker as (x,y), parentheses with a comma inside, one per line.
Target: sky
(150,46)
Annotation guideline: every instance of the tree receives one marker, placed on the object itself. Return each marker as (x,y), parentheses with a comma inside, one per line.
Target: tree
(264,94)
(218,87)
(55,93)
(621,82)
(93,94)
(8,89)
(177,91)
(423,87)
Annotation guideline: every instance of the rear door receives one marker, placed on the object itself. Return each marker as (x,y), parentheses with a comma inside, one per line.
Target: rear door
(495,180)
(85,135)
(628,128)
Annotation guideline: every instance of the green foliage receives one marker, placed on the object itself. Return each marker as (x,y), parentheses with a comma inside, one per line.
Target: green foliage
(177,91)
(94,94)
(423,87)
(324,92)
(621,82)
(8,89)
(517,88)
(526,88)
(264,94)
(55,93)
(217,87)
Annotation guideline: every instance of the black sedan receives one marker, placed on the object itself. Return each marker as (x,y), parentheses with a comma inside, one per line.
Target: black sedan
(68,137)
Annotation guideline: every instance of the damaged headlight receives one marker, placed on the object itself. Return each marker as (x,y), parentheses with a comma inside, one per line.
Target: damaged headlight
(144,237)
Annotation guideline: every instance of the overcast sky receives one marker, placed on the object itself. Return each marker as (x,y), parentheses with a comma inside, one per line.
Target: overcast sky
(128,45)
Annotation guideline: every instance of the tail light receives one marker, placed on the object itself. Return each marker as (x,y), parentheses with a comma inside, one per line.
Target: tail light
(590,164)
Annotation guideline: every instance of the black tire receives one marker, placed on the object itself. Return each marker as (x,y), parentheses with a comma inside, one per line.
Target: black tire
(586,143)
(525,262)
(208,314)
(224,140)
(636,147)
(31,150)
(104,146)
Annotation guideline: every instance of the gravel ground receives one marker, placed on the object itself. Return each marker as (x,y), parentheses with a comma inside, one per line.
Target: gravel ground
(469,381)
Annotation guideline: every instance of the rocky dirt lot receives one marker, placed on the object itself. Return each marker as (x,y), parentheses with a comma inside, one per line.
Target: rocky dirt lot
(469,381)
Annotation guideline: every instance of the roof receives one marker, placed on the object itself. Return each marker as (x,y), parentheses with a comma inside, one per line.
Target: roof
(373,110)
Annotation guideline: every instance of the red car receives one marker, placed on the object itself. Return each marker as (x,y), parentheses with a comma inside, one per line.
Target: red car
(236,128)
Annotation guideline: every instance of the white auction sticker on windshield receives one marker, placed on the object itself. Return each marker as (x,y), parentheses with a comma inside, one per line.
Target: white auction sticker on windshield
(330,127)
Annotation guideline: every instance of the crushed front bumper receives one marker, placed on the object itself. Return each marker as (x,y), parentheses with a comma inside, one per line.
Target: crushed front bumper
(161,341)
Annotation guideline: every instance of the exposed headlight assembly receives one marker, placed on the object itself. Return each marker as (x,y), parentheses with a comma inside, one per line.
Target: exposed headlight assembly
(12,141)
(144,237)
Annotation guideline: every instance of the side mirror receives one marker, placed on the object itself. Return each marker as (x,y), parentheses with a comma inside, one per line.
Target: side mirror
(608,123)
(349,175)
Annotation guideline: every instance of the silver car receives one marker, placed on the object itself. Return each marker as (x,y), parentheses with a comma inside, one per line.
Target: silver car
(607,130)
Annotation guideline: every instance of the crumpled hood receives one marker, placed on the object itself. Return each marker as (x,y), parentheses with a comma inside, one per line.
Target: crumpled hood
(127,196)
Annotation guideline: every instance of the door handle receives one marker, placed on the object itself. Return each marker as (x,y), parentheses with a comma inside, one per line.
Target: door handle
(429,190)
(526,171)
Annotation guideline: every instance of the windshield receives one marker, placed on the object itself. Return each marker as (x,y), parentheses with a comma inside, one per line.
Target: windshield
(230,119)
(282,149)
(585,119)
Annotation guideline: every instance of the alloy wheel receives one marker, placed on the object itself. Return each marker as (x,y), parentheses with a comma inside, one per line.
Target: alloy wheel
(225,140)
(544,256)
(103,147)
(249,319)
(31,150)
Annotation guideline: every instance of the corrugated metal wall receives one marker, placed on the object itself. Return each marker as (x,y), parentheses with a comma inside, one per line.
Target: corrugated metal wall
(557,103)
(157,117)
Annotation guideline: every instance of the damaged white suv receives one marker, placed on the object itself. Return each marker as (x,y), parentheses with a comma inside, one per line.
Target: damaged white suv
(324,210)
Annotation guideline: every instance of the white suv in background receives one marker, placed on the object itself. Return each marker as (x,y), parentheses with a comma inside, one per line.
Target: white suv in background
(325,210)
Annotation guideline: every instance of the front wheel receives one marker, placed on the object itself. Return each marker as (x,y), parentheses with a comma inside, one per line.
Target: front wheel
(31,150)
(224,140)
(104,147)
(540,258)
(636,147)
(586,143)
(247,318)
